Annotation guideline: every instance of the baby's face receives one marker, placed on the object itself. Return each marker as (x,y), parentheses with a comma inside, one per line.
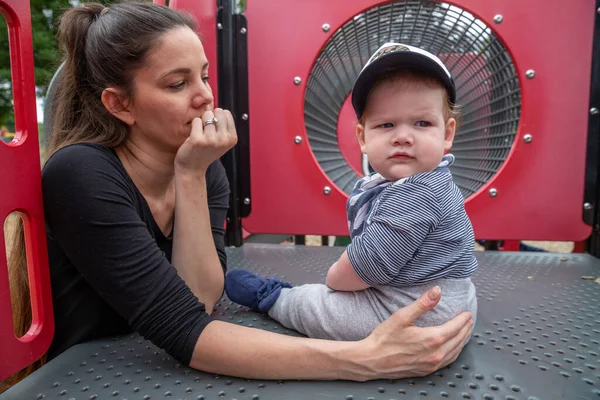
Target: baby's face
(404,131)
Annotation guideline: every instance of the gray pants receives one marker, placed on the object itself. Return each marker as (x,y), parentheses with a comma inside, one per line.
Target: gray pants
(323,313)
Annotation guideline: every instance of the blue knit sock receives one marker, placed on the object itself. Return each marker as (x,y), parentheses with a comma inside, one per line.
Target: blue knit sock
(250,290)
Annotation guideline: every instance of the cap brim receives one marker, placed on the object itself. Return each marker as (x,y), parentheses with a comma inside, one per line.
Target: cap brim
(393,62)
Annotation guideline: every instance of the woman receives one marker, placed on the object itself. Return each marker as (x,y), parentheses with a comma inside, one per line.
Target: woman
(135,201)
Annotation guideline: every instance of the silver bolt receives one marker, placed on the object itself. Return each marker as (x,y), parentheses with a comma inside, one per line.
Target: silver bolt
(246,201)
(297,140)
(527,138)
(326,190)
(498,18)
(245,117)
(243,31)
(219,26)
(587,206)
(326,27)
(530,73)
(297,80)
(593,111)
(598,10)
(493,192)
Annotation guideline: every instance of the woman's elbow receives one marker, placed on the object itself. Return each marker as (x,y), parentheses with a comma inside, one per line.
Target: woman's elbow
(210,304)
(211,300)
(209,308)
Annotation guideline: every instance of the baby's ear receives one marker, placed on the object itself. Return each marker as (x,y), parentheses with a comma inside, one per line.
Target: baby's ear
(360,136)
(450,130)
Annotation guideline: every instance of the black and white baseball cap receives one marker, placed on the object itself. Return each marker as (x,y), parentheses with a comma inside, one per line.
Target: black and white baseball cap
(393,56)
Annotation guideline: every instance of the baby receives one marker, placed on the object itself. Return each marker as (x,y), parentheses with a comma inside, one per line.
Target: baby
(407,220)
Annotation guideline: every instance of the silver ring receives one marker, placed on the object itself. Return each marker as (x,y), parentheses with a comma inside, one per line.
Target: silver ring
(211,121)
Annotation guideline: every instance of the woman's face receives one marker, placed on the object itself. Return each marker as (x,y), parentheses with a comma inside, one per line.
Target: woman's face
(170,91)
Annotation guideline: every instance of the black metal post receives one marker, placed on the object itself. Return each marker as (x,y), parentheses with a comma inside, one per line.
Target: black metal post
(591,206)
(233,95)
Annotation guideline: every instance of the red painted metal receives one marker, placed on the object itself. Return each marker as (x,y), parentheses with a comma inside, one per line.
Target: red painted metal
(511,245)
(205,12)
(540,186)
(20,163)
(579,247)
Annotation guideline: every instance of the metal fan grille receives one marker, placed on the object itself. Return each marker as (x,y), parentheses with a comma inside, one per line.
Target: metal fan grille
(486,81)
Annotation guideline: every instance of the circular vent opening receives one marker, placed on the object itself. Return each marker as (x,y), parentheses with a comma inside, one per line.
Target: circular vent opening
(487,85)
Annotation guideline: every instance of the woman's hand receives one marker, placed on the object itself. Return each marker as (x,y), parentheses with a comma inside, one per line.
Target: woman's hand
(396,349)
(399,349)
(207,143)
(194,253)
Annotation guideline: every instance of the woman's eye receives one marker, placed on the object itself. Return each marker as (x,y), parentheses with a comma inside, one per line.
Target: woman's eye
(205,79)
(177,85)
(422,124)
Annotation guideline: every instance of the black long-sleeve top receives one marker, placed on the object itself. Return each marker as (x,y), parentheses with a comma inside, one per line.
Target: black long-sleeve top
(110,262)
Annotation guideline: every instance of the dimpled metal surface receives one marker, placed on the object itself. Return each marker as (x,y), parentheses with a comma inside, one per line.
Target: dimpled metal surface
(537,337)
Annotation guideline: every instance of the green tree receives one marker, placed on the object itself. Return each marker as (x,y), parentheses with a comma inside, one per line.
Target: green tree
(43,17)
(44,14)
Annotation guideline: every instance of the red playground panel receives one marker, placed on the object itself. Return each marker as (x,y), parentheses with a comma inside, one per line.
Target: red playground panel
(20,161)
(520,153)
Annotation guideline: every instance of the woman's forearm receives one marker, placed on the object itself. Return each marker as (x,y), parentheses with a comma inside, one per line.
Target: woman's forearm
(395,349)
(194,253)
(225,348)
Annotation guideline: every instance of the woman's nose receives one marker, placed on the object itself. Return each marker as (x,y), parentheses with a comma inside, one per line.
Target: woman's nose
(203,95)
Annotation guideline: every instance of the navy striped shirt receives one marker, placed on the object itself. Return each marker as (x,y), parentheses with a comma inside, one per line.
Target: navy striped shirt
(417,231)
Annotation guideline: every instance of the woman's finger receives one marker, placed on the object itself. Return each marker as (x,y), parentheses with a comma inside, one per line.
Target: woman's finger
(209,116)
(426,302)
(231,130)
(221,125)
(454,346)
(197,128)
(455,326)
(230,123)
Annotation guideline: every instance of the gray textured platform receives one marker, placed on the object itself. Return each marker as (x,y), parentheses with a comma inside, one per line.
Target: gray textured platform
(537,337)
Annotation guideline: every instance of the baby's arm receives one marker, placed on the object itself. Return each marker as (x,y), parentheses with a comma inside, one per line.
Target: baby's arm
(341,276)
(399,224)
